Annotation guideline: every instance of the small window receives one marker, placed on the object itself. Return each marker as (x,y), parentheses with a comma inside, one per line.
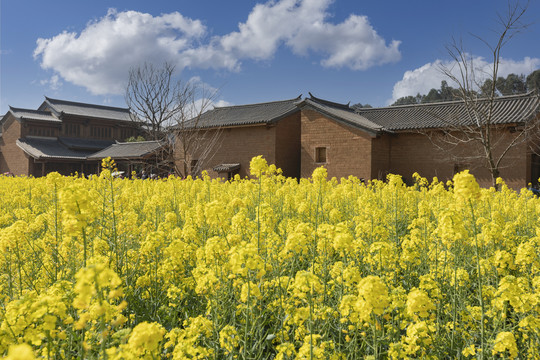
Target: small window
(460,167)
(320,155)
(232,174)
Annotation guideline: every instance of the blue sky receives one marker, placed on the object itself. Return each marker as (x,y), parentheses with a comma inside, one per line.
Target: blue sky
(341,50)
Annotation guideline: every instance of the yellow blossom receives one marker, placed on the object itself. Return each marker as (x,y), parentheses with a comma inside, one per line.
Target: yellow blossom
(505,342)
(465,186)
(20,352)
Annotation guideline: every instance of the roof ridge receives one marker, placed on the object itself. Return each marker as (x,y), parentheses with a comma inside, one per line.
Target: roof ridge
(346,116)
(448,102)
(12,108)
(104,107)
(330,103)
(136,142)
(259,104)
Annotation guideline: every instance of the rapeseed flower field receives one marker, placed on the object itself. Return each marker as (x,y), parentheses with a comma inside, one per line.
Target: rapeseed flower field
(267,268)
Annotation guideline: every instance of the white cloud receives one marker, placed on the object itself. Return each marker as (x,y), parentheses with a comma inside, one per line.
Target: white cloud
(98,57)
(54,83)
(353,43)
(429,76)
(222,103)
(301,25)
(205,97)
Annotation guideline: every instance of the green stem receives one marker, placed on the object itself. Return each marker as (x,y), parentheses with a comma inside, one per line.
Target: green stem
(479,271)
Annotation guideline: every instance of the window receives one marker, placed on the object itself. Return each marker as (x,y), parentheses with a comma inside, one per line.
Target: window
(231,174)
(71,129)
(101,132)
(320,155)
(41,131)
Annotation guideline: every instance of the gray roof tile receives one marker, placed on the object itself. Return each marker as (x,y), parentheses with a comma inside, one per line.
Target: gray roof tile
(226,167)
(36,115)
(50,148)
(128,150)
(262,113)
(506,110)
(87,110)
(85,144)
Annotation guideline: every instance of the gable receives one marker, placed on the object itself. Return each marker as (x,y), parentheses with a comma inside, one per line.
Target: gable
(345,116)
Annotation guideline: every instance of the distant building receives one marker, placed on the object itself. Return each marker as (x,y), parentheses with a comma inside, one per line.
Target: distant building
(299,135)
(62,136)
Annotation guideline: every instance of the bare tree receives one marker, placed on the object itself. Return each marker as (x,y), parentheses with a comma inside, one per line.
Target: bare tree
(487,141)
(196,130)
(152,96)
(168,110)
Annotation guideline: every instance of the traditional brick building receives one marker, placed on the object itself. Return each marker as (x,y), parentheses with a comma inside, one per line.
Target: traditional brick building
(60,136)
(299,135)
(241,132)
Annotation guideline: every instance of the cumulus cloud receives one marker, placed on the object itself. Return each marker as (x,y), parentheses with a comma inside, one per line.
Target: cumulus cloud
(429,76)
(54,83)
(302,26)
(205,97)
(98,57)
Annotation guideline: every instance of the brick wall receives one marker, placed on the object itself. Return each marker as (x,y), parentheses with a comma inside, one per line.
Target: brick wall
(12,158)
(237,145)
(411,153)
(348,150)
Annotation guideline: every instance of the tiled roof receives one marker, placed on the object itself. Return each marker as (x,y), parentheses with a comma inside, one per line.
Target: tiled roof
(262,113)
(506,110)
(226,167)
(128,150)
(341,113)
(27,114)
(85,144)
(330,103)
(86,110)
(50,148)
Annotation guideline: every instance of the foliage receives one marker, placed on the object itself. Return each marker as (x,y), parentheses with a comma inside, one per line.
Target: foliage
(511,85)
(267,268)
(360,106)
(445,93)
(533,81)
(135,139)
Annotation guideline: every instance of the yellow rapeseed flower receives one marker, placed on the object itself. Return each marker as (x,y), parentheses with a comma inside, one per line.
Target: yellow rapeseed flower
(465,186)
(505,343)
(20,352)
